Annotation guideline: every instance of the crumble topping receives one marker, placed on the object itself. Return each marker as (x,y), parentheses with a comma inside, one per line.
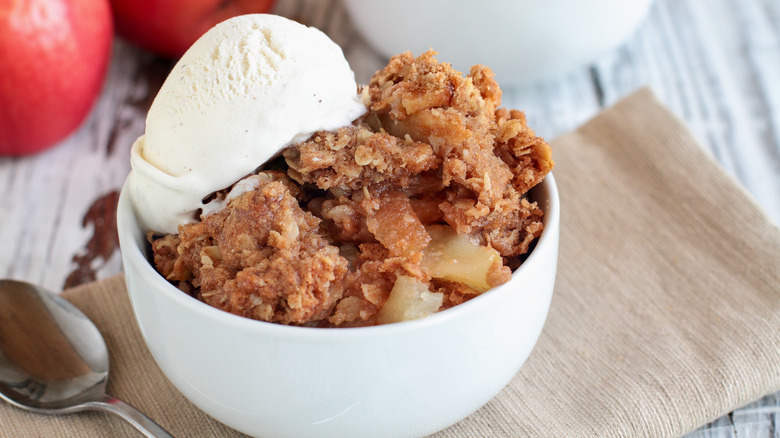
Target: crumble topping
(435,174)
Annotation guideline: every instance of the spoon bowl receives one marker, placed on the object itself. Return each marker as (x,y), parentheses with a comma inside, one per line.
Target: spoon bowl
(53,360)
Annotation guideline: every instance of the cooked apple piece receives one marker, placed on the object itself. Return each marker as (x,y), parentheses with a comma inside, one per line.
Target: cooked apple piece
(409,299)
(451,256)
(396,226)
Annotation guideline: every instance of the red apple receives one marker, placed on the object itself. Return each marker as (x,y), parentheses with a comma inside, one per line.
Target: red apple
(53,60)
(169,27)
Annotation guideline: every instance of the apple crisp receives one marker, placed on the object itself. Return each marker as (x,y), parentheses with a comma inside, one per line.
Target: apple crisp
(416,207)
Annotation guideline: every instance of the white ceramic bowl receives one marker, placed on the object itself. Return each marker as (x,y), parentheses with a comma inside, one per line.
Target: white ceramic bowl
(521,40)
(398,380)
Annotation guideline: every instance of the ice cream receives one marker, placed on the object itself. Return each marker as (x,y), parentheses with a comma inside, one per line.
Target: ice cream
(246,89)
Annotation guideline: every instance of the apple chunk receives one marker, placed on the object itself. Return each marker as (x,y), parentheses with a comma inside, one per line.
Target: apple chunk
(409,299)
(396,225)
(453,257)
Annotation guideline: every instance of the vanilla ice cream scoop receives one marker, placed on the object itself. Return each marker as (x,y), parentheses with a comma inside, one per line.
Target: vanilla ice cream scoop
(249,87)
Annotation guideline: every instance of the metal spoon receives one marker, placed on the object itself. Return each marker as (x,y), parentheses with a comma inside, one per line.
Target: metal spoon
(53,360)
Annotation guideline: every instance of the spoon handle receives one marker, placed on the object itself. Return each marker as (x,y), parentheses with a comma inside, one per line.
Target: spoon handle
(138,419)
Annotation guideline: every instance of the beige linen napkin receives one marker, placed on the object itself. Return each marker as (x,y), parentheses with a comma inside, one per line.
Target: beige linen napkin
(666,312)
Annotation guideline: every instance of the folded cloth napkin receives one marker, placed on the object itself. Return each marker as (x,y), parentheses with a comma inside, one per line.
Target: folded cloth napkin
(666,311)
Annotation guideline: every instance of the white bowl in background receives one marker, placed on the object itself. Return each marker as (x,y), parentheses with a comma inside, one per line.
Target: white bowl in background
(520,40)
(397,380)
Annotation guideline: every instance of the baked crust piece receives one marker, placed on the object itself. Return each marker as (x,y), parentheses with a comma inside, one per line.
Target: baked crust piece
(261,257)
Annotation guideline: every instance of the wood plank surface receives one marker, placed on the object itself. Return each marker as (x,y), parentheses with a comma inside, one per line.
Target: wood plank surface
(714,63)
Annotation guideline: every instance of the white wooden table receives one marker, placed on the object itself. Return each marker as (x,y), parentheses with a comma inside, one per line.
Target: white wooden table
(714,63)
